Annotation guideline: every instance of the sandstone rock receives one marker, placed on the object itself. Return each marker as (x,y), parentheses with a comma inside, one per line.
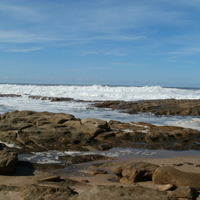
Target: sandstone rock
(35,192)
(120,193)
(41,131)
(170,175)
(165,187)
(8,161)
(95,123)
(50,178)
(94,171)
(135,172)
(87,129)
(184,192)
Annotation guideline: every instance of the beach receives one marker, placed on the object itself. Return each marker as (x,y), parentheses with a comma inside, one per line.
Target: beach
(78,139)
(24,176)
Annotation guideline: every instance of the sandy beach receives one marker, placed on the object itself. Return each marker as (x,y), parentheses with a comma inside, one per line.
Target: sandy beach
(24,176)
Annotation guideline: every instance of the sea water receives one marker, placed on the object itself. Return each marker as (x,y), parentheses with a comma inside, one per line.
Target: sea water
(95,93)
(86,110)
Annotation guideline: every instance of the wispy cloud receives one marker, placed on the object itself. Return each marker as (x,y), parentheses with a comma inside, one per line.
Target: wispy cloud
(24,37)
(86,53)
(126,64)
(115,53)
(25,50)
(186,51)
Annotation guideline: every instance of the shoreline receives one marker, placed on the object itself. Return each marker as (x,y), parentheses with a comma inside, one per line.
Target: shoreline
(24,177)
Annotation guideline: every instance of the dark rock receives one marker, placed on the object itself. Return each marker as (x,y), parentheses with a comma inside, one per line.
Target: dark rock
(104,146)
(9,95)
(52,99)
(158,107)
(8,161)
(82,158)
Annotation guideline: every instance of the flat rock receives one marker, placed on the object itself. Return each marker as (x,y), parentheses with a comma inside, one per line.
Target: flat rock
(50,178)
(120,193)
(94,171)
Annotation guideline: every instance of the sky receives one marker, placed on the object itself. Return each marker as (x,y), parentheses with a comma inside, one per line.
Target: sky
(107,42)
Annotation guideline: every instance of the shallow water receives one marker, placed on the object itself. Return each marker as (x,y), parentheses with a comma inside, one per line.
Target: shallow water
(118,154)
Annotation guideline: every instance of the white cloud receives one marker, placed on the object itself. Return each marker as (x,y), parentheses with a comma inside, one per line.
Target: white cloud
(24,37)
(25,50)
(86,53)
(126,64)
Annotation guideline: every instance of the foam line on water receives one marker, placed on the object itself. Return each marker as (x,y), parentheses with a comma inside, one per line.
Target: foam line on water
(116,153)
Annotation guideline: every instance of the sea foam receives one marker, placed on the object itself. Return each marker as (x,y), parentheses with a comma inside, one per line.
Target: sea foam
(99,92)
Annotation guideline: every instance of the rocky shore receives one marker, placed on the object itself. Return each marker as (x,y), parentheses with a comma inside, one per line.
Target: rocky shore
(23,132)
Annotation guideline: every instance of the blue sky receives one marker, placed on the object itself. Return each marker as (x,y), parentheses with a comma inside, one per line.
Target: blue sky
(118,42)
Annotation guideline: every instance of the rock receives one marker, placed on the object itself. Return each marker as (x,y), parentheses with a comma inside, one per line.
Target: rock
(158,107)
(8,161)
(42,131)
(165,187)
(87,129)
(9,95)
(148,136)
(51,178)
(82,158)
(95,123)
(184,192)
(170,175)
(104,146)
(94,171)
(35,192)
(135,172)
(120,193)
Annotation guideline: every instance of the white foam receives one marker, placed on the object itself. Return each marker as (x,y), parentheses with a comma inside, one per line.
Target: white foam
(11,145)
(98,92)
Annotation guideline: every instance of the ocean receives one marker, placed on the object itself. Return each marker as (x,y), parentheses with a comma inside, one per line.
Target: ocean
(94,93)
(86,110)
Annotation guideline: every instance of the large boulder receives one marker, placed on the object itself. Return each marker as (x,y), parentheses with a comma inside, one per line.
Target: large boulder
(170,175)
(8,161)
(135,172)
